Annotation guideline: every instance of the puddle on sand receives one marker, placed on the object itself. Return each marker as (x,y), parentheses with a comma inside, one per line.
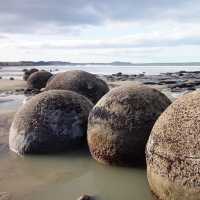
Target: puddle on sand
(66,176)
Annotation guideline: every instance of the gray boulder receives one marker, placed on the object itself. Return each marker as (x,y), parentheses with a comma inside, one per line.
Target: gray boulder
(38,80)
(28,72)
(50,122)
(81,82)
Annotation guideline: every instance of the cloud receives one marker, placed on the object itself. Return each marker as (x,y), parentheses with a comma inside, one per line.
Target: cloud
(100,30)
(157,36)
(63,15)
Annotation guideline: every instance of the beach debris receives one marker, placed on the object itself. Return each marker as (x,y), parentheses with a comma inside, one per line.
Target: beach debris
(120,123)
(81,82)
(173,151)
(52,121)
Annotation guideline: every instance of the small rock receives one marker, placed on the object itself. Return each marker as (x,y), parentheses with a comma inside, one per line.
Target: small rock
(118,74)
(85,197)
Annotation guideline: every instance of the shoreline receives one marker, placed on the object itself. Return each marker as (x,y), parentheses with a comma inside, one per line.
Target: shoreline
(174,82)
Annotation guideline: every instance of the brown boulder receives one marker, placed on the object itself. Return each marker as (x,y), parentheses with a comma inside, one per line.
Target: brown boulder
(173,151)
(120,123)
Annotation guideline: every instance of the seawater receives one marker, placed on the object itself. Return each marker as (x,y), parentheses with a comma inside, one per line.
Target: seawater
(68,176)
(16,72)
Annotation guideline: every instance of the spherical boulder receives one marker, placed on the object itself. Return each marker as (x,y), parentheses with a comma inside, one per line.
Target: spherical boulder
(120,123)
(52,121)
(28,72)
(173,151)
(38,80)
(81,82)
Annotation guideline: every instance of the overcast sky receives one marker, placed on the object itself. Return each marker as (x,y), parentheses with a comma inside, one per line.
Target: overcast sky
(100,30)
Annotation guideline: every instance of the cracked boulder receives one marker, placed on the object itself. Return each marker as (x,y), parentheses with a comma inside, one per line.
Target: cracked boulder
(52,121)
(173,151)
(120,124)
(81,82)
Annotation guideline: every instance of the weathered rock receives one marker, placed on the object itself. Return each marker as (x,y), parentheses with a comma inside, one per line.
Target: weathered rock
(38,80)
(173,151)
(81,82)
(120,123)
(28,72)
(52,121)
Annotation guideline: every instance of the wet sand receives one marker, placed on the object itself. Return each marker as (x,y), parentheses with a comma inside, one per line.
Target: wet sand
(8,85)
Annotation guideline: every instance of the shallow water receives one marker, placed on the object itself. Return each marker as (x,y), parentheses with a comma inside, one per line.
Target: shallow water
(10,102)
(66,176)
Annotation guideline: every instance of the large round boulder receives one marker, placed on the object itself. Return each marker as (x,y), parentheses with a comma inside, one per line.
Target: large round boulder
(28,72)
(81,82)
(120,123)
(173,151)
(38,80)
(52,121)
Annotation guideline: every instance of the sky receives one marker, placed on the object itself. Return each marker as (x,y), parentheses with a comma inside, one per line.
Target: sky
(100,30)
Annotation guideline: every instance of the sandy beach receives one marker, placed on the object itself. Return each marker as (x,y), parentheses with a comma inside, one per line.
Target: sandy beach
(11,85)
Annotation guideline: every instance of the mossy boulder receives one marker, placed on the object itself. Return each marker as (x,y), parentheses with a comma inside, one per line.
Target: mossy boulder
(120,123)
(52,121)
(173,151)
(81,82)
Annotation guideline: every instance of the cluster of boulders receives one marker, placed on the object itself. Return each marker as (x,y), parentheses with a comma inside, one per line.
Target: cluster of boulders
(56,119)
(77,107)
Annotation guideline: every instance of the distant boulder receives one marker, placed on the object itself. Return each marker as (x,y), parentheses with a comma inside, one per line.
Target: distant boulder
(28,72)
(38,80)
(81,82)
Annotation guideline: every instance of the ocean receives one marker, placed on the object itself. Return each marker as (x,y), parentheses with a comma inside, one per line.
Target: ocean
(16,71)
